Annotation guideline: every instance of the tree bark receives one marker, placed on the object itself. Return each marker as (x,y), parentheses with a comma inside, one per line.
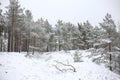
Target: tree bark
(27,45)
(110,57)
(1,44)
(20,43)
(8,41)
(12,33)
(34,43)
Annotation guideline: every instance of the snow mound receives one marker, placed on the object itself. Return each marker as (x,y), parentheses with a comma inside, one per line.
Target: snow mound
(15,66)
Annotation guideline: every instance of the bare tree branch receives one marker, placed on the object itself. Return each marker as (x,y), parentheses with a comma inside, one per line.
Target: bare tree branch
(72,68)
(58,68)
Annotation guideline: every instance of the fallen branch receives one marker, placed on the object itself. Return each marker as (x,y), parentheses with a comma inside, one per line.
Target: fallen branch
(70,67)
(58,68)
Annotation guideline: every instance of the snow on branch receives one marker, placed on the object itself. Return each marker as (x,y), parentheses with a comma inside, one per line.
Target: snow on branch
(64,67)
(106,40)
(32,47)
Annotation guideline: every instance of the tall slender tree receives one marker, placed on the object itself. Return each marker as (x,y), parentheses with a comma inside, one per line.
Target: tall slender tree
(110,27)
(58,33)
(14,16)
(1,29)
(28,23)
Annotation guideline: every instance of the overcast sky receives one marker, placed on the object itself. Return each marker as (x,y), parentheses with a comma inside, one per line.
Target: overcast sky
(71,10)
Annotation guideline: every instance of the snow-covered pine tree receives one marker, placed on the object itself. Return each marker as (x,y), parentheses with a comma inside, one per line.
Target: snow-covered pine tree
(58,35)
(67,34)
(48,31)
(14,15)
(2,25)
(51,42)
(76,38)
(77,56)
(87,36)
(98,34)
(39,31)
(1,22)
(28,20)
(109,26)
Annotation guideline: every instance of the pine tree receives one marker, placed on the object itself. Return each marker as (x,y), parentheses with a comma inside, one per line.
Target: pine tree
(1,29)
(15,17)
(110,27)
(67,34)
(87,36)
(28,25)
(48,31)
(97,37)
(58,34)
(1,22)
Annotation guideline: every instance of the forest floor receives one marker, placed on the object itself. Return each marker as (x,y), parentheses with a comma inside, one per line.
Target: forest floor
(52,66)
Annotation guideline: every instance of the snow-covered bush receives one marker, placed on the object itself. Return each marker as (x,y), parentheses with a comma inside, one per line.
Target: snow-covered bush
(77,56)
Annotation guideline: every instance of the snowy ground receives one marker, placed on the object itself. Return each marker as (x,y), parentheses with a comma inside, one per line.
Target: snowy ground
(15,66)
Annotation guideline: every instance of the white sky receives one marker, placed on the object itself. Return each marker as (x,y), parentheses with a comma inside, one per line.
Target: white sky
(71,10)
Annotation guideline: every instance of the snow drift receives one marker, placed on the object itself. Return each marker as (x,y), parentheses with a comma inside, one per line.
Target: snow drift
(15,66)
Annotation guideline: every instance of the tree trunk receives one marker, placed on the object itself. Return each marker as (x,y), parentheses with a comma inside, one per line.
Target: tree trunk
(15,45)
(110,62)
(20,43)
(47,48)
(34,43)
(9,40)
(110,57)
(59,44)
(1,44)
(12,33)
(27,45)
